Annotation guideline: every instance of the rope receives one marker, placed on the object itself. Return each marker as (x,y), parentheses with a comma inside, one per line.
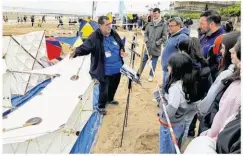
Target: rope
(164,108)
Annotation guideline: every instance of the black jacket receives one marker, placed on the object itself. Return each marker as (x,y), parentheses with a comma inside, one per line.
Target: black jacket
(229,140)
(94,45)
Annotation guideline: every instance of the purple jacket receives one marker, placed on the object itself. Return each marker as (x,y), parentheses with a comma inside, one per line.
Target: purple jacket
(208,41)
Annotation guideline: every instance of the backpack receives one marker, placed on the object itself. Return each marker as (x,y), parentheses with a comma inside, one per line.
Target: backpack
(204,81)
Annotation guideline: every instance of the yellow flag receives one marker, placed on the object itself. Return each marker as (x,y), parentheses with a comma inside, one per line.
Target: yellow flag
(130,16)
(78,42)
(109,15)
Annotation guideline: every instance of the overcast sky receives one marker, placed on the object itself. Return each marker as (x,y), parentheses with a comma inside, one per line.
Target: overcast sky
(103,6)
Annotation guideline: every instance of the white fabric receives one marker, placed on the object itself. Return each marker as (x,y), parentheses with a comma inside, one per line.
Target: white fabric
(55,106)
(6,92)
(17,59)
(201,145)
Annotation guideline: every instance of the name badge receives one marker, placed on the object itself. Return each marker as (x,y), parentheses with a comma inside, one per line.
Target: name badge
(114,43)
(107,54)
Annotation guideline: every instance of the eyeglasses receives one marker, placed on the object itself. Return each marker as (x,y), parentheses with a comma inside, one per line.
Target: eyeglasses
(172,26)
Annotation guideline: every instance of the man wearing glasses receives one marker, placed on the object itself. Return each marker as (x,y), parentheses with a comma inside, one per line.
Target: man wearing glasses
(155,34)
(176,34)
(107,51)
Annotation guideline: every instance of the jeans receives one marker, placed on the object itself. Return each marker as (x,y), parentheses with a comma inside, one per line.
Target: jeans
(165,77)
(154,63)
(165,142)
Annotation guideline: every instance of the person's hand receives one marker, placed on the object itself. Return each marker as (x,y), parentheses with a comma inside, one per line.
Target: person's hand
(72,55)
(123,54)
(73,49)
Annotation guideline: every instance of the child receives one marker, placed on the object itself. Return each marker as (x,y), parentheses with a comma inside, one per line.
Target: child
(39,23)
(181,93)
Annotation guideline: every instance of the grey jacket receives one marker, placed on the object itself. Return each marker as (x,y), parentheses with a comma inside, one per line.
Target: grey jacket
(213,91)
(178,110)
(154,36)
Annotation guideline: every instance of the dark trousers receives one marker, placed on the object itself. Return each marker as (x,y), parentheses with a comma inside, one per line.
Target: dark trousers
(193,126)
(108,89)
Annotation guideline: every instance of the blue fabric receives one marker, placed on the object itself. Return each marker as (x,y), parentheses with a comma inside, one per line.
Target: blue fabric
(208,41)
(59,58)
(124,41)
(165,142)
(165,77)
(94,25)
(68,40)
(113,63)
(56,43)
(18,101)
(81,24)
(154,63)
(171,46)
(87,135)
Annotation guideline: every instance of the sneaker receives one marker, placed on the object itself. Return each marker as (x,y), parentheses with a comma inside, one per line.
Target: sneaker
(154,100)
(102,111)
(114,102)
(150,79)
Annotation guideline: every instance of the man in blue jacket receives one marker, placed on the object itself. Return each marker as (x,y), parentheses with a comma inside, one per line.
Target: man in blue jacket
(210,29)
(107,50)
(177,34)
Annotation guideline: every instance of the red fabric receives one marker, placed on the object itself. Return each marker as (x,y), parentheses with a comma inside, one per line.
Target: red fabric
(51,38)
(217,44)
(52,51)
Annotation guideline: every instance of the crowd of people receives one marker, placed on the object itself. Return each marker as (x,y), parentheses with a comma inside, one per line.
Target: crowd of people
(201,79)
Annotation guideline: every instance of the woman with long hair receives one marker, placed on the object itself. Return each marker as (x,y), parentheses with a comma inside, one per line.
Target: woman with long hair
(181,94)
(227,69)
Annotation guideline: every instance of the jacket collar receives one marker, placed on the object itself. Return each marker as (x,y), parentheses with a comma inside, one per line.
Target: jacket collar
(159,24)
(101,35)
(216,33)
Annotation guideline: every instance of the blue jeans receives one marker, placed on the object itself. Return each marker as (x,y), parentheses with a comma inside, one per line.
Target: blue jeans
(165,142)
(165,77)
(154,63)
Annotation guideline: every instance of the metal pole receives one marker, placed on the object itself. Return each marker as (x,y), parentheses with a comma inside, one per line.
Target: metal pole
(34,62)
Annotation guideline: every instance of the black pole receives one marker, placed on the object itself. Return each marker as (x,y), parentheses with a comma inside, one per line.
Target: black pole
(126,110)
(133,45)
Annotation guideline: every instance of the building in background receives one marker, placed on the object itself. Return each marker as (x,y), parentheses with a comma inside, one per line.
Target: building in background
(198,6)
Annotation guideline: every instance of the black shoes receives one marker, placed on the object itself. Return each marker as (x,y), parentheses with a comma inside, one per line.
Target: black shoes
(113,102)
(102,111)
